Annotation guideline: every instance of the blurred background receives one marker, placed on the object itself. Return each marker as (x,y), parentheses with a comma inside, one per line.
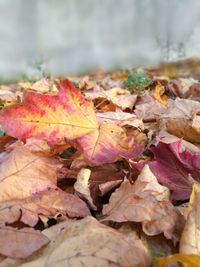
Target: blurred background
(71,37)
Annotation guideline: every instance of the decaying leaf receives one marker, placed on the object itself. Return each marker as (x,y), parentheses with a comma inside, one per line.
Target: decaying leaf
(20,243)
(97,245)
(147,202)
(51,117)
(182,119)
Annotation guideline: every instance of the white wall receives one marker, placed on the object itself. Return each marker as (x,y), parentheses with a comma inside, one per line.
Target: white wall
(74,36)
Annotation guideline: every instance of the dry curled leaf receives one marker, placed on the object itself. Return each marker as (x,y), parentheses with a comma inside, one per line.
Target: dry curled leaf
(81,187)
(147,202)
(118,96)
(182,119)
(49,203)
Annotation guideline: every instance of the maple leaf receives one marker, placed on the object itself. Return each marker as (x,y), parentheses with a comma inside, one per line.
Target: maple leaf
(147,202)
(174,168)
(107,144)
(50,117)
(104,247)
(20,243)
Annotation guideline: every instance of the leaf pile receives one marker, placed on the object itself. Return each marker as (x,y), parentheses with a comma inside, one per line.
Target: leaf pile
(93,174)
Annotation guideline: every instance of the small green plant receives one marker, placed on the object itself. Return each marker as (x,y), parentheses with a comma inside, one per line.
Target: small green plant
(37,71)
(137,81)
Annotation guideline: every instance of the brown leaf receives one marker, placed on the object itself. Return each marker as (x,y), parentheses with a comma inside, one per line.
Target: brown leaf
(149,111)
(185,88)
(23,173)
(182,119)
(50,203)
(89,243)
(167,138)
(20,243)
(147,202)
(118,96)
(120,118)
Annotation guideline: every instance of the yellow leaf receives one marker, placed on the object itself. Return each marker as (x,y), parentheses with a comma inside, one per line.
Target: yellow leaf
(186,260)
(158,94)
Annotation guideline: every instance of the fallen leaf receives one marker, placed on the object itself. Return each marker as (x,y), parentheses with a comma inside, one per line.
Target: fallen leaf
(158,94)
(190,239)
(167,138)
(118,96)
(97,245)
(44,85)
(108,144)
(81,187)
(23,173)
(103,179)
(185,260)
(182,119)
(51,117)
(147,202)
(9,95)
(120,118)
(149,111)
(21,243)
(49,203)
(185,88)
(175,168)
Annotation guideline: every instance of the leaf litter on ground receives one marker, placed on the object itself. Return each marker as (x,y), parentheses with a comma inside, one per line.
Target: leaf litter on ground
(116,170)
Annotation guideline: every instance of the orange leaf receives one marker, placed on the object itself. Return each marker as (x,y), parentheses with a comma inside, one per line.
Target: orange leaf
(158,94)
(51,117)
(186,260)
